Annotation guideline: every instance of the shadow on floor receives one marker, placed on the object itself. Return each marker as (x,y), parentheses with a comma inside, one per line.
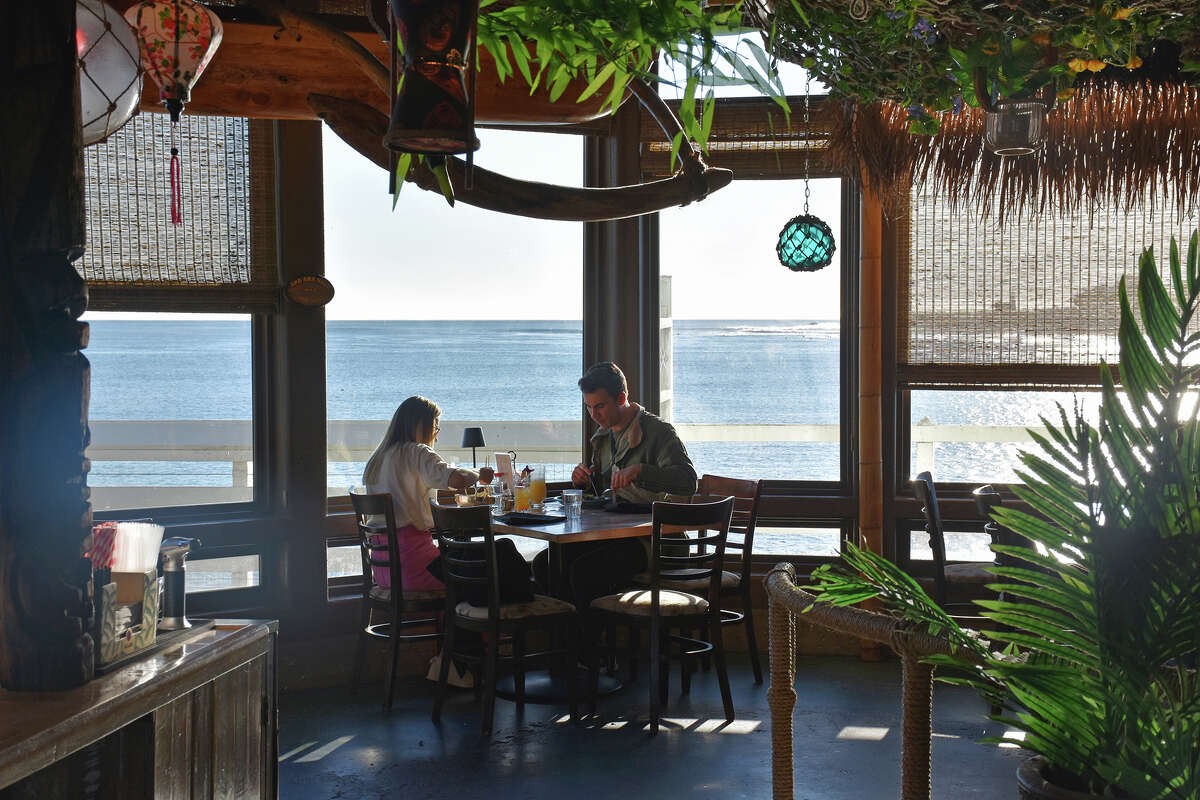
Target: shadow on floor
(334,744)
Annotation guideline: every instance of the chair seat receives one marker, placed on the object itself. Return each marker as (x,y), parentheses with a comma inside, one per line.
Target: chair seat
(729,580)
(636,602)
(973,572)
(384,595)
(539,606)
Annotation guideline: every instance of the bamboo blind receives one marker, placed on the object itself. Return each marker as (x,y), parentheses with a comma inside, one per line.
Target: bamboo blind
(227,237)
(1032,301)
(754,138)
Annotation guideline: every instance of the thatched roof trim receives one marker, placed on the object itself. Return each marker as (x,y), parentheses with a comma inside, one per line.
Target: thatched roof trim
(1107,143)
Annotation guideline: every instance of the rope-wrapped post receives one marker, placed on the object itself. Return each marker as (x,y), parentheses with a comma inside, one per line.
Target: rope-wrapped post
(781,695)
(784,600)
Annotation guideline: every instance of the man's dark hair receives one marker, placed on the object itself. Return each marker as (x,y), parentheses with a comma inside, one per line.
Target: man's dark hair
(605,375)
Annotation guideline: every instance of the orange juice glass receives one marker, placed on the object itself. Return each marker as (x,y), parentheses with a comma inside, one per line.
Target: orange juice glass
(522,497)
(537,485)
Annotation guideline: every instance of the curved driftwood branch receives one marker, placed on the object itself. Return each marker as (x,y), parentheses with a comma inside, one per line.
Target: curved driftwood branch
(362,127)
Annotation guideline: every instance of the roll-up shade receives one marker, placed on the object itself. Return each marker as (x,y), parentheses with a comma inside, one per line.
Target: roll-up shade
(223,253)
(1030,302)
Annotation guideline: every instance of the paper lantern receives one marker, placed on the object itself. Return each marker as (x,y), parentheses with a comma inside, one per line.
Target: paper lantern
(178,39)
(110,72)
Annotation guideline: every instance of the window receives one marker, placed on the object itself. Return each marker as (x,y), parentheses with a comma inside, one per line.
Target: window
(487,325)
(756,349)
(170,413)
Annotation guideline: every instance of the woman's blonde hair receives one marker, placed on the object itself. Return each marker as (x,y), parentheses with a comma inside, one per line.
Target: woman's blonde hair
(413,419)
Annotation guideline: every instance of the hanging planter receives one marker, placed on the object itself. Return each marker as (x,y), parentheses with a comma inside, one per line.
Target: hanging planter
(1015,127)
(433,110)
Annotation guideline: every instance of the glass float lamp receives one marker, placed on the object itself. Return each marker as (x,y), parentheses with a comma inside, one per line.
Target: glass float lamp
(110,71)
(805,244)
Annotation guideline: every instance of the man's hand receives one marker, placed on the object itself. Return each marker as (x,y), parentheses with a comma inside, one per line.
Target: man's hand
(580,475)
(625,477)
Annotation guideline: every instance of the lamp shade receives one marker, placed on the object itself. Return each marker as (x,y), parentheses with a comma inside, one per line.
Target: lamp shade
(110,72)
(178,39)
(472,437)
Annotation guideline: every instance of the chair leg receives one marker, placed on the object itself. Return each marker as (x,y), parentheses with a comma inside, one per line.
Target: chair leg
(489,688)
(573,668)
(664,670)
(592,649)
(706,658)
(718,643)
(751,639)
(655,667)
(518,647)
(686,663)
(444,669)
(360,653)
(635,644)
(394,666)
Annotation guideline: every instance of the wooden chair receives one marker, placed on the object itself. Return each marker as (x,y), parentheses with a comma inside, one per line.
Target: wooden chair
(734,584)
(661,610)
(469,559)
(967,577)
(368,509)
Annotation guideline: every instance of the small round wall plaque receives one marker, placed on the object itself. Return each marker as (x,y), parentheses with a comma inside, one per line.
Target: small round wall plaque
(310,290)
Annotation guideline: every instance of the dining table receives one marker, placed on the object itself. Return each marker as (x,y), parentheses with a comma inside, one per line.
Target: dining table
(594,525)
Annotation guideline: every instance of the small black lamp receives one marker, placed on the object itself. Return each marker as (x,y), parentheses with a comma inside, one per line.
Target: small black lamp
(472,438)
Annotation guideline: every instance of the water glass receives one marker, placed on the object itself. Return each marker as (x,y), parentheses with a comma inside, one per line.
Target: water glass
(572,502)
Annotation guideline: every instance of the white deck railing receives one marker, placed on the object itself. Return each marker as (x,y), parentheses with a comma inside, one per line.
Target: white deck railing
(548,442)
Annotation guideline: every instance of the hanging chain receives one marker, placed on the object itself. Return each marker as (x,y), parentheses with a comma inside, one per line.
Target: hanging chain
(807,135)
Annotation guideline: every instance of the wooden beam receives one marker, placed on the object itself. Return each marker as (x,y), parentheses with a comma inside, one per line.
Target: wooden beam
(267,71)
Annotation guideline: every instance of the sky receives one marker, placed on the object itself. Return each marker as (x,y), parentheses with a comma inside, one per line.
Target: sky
(427,261)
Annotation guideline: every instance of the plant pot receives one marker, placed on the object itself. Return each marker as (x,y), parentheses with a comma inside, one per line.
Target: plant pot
(1034,785)
(433,113)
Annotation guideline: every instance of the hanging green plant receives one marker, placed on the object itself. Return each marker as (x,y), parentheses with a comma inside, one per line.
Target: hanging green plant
(924,55)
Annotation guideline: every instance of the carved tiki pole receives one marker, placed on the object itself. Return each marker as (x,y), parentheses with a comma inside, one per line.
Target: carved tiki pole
(44,380)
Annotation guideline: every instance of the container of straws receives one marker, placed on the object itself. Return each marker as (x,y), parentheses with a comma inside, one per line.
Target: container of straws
(125,576)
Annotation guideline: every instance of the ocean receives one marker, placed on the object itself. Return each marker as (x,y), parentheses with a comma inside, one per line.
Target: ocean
(725,371)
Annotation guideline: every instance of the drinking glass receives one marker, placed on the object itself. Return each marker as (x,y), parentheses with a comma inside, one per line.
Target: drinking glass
(522,496)
(537,484)
(572,502)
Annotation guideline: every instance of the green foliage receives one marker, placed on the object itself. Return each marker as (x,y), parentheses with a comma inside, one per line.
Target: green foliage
(549,43)
(923,54)
(1103,613)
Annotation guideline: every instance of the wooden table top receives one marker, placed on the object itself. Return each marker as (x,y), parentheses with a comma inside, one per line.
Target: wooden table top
(595,525)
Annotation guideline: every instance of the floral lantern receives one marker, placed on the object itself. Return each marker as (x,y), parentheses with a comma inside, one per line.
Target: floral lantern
(110,74)
(178,39)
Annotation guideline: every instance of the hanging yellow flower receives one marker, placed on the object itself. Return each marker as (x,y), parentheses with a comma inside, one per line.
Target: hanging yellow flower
(1095,65)
(1122,13)
(1134,62)
(1064,94)
(1077,65)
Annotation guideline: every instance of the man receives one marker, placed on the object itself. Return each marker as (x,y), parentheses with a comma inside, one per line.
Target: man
(641,458)
(634,452)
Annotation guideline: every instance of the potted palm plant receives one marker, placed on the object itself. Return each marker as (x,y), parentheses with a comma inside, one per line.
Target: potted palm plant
(1092,655)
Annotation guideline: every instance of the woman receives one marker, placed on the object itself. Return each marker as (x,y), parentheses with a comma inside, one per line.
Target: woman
(406,467)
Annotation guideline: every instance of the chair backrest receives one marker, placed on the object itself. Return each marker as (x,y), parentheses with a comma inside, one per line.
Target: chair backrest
(368,510)
(690,557)
(468,545)
(987,499)
(924,489)
(745,495)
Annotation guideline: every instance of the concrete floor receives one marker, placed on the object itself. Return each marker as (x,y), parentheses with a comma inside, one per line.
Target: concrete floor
(334,744)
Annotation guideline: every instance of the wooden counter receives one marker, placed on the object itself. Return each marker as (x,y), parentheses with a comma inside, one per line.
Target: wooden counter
(196,719)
